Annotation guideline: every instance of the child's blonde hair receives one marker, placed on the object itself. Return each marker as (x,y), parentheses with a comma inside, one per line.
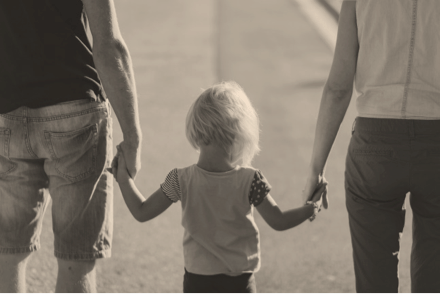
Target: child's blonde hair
(223,115)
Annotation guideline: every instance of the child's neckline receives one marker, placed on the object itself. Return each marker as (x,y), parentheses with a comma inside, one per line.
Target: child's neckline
(217,173)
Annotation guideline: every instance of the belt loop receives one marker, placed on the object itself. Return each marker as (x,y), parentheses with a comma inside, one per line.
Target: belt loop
(353,125)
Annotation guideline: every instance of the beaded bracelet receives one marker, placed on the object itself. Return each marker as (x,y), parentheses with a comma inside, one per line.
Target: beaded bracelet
(316,209)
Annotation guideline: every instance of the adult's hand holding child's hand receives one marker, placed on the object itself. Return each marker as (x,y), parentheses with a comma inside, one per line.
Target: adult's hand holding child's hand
(114,165)
(132,156)
(320,194)
(122,173)
(314,183)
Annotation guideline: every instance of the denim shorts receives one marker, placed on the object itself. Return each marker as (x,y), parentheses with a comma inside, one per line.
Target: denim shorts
(64,148)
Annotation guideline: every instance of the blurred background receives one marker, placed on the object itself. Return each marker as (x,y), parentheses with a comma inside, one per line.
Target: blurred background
(280,52)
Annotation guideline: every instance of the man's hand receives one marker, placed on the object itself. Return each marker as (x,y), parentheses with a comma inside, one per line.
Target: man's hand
(131,154)
(120,172)
(132,157)
(312,183)
(113,169)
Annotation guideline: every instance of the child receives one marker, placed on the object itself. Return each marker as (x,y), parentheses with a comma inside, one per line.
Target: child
(221,239)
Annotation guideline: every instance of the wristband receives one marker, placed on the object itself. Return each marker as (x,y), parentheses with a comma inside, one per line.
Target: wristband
(316,209)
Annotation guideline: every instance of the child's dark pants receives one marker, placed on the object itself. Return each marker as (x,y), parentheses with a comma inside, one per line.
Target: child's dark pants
(194,283)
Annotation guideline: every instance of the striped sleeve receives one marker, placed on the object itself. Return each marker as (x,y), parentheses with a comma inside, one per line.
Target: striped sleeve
(171,187)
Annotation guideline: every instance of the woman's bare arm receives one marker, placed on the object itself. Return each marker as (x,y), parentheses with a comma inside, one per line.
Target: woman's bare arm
(336,96)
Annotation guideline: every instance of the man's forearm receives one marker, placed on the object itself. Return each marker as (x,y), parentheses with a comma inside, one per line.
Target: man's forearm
(115,69)
(332,111)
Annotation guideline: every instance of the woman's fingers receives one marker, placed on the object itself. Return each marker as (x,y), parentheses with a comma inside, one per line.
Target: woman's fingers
(325,199)
(321,188)
(310,187)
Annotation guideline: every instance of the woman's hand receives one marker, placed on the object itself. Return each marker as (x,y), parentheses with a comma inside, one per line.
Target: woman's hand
(320,194)
(336,97)
(313,183)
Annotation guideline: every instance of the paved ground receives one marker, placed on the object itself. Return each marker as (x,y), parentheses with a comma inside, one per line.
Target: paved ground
(270,48)
(336,4)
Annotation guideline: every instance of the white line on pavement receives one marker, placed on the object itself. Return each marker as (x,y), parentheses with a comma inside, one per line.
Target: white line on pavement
(321,19)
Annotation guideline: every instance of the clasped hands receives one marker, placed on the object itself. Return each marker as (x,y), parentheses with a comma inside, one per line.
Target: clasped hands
(126,162)
(316,190)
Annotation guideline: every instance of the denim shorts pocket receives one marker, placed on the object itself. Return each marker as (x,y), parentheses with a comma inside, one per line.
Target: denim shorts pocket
(74,152)
(6,166)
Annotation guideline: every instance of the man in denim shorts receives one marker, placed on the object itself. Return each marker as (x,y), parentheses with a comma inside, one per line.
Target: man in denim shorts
(56,133)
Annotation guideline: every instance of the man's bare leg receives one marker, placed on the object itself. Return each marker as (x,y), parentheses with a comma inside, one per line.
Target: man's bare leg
(76,276)
(13,272)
